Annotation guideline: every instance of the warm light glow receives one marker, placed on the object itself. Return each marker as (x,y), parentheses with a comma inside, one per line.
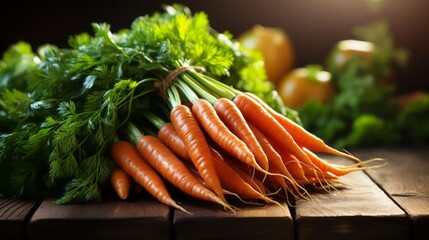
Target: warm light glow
(356,45)
(323,76)
(36,60)
(375,5)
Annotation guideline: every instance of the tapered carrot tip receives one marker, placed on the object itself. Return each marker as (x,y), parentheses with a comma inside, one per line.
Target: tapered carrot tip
(123,194)
(121,183)
(175,205)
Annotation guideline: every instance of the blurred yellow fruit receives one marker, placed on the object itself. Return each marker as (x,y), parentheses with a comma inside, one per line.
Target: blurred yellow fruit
(303,84)
(275,47)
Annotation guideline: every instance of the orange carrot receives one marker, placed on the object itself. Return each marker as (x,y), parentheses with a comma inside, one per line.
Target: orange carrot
(300,134)
(169,136)
(229,113)
(127,157)
(232,182)
(274,158)
(290,161)
(252,181)
(121,183)
(221,135)
(198,149)
(173,170)
(171,139)
(257,115)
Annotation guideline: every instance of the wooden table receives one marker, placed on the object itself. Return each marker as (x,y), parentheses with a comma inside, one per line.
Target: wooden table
(391,202)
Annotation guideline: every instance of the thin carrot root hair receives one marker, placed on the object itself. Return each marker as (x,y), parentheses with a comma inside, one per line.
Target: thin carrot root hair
(255,183)
(264,198)
(252,176)
(325,166)
(364,164)
(328,187)
(239,186)
(340,170)
(250,202)
(334,171)
(323,179)
(293,187)
(345,154)
(315,175)
(282,185)
(252,171)
(341,183)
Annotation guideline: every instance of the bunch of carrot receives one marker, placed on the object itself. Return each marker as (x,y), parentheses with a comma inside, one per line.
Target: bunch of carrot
(223,142)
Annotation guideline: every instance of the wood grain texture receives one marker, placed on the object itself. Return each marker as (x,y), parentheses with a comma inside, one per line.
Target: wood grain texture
(406,179)
(140,219)
(14,215)
(249,223)
(391,202)
(358,210)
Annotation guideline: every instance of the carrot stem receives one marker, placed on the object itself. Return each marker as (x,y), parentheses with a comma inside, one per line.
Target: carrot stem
(214,86)
(194,85)
(173,96)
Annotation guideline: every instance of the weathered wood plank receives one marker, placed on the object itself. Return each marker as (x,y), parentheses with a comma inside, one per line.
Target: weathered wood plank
(406,179)
(360,210)
(14,215)
(249,223)
(140,219)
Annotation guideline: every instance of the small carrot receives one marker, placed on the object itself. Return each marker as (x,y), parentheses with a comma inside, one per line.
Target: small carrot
(302,137)
(121,183)
(196,144)
(173,170)
(229,113)
(127,157)
(221,135)
(258,116)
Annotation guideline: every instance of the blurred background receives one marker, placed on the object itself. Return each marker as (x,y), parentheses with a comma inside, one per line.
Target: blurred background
(365,98)
(313,26)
